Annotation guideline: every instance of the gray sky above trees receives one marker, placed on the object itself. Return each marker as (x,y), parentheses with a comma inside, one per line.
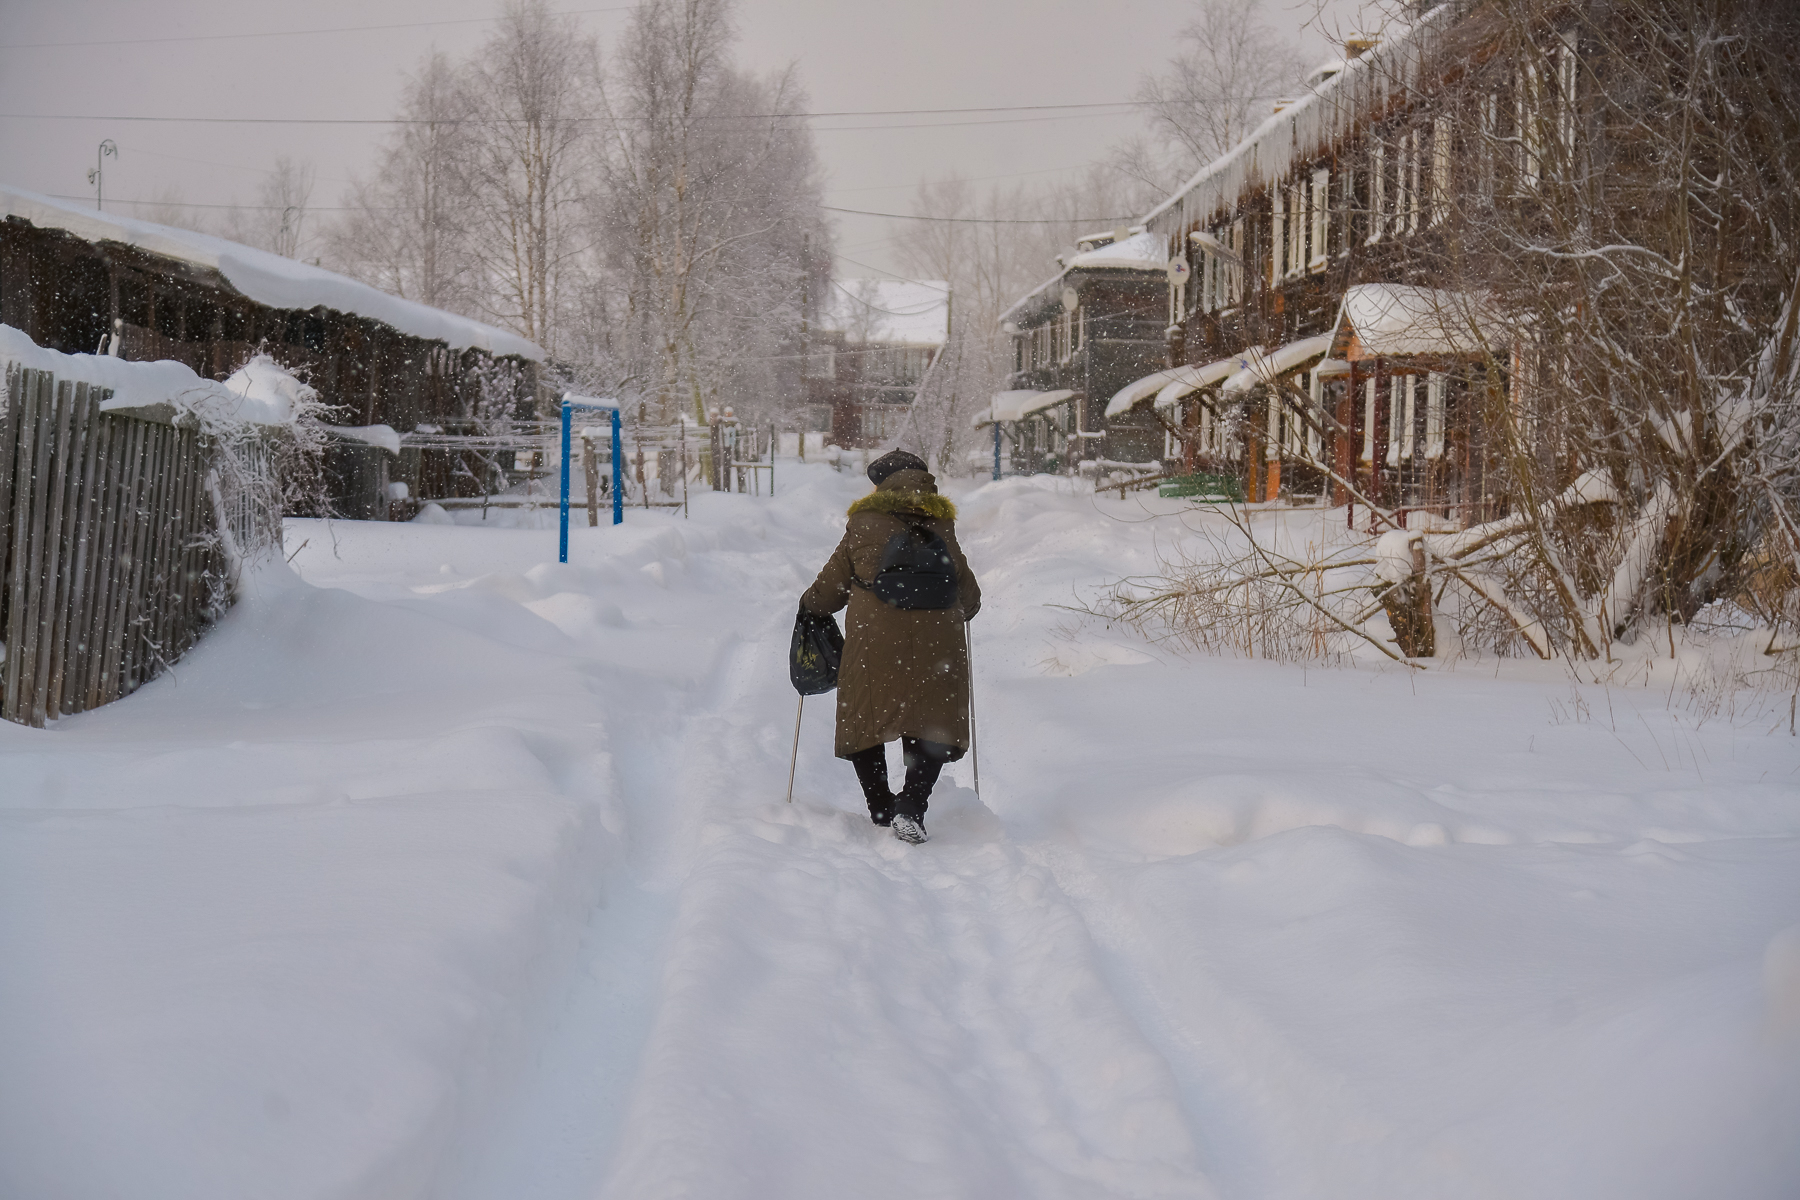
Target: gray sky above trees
(852,57)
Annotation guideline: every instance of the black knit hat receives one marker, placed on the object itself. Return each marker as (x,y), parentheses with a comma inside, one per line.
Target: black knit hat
(892,461)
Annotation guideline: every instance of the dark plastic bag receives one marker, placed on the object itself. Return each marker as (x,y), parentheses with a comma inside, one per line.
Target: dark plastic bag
(817,649)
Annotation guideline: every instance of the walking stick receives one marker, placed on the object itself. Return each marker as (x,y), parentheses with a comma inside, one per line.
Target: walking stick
(793,762)
(974,745)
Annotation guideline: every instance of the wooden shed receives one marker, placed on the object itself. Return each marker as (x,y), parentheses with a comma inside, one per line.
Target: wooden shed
(86,282)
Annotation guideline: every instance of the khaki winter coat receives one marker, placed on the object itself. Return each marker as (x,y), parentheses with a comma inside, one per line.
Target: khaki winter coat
(904,673)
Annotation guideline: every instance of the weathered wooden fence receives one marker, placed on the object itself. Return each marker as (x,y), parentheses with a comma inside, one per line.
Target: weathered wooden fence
(107,537)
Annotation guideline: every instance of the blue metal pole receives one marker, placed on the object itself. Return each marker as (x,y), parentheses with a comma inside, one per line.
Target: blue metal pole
(562,550)
(996,450)
(618,456)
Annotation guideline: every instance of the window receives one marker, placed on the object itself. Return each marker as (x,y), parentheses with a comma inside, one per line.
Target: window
(1488,113)
(1348,208)
(1313,439)
(1440,170)
(1414,164)
(1278,236)
(1234,272)
(1434,415)
(1321,217)
(1368,446)
(1297,229)
(1395,406)
(1528,105)
(1377,189)
(1402,157)
(1567,65)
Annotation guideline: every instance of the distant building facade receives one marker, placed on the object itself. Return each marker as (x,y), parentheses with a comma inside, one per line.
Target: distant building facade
(1077,338)
(876,341)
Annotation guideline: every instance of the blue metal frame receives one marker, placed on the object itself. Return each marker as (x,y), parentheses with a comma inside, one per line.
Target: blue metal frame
(618,498)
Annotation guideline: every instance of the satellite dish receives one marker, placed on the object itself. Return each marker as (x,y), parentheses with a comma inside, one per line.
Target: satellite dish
(1178,271)
(1071,300)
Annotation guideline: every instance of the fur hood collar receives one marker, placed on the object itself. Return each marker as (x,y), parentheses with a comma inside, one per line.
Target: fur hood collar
(925,504)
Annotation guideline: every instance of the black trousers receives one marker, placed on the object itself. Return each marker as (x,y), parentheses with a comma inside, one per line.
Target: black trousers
(924,760)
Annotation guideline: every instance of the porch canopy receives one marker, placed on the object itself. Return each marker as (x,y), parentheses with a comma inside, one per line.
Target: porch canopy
(1395,320)
(1018,404)
(1260,368)
(1192,379)
(1139,390)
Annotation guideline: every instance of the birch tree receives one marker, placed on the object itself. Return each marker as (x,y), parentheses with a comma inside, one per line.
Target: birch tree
(407,230)
(530,98)
(711,184)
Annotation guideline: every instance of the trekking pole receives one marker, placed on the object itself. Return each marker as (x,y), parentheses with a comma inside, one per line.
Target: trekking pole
(974,745)
(795,761)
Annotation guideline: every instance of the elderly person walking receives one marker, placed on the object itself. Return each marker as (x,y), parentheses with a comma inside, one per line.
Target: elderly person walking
(905,672)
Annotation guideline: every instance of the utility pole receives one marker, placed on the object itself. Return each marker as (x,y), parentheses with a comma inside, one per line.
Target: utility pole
(805,364)
(108,148)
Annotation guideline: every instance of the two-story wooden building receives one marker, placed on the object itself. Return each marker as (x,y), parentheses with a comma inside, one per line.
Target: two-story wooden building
(1097,324)
(1320,344)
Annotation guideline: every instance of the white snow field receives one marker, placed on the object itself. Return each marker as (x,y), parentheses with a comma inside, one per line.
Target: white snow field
(443,871)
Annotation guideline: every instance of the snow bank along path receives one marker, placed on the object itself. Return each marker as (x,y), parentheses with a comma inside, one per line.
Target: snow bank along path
(445,871)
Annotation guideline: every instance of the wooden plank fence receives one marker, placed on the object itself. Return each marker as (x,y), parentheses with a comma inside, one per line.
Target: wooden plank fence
(112,569)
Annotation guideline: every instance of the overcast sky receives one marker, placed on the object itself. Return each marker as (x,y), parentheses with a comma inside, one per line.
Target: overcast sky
(186,59)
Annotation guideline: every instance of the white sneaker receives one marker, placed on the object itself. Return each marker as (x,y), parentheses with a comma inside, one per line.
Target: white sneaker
(909,829)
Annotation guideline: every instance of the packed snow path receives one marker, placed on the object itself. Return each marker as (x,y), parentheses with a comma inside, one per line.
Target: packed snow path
(449,872)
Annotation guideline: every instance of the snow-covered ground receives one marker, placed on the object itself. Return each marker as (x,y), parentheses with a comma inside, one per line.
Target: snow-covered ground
(442,870)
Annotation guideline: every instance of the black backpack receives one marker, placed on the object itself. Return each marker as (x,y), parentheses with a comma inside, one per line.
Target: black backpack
(916,571)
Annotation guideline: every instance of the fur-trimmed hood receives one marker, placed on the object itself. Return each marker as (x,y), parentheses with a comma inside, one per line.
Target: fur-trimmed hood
(907,492)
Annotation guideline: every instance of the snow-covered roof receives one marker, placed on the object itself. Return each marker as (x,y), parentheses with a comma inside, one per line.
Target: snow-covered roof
(1262,368)
(148,385)
(1193,378)
(1393,320)
(1020,403)
(1043,400)
(1127,397)
(268,278)
(903,312)
(1300,131)
(1142,251)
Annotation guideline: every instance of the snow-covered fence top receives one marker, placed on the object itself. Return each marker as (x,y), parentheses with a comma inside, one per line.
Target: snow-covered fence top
(266,278)
(116,550)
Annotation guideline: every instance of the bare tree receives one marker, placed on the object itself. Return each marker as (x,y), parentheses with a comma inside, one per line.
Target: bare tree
(712,184)
(407,231)
(530,97)
(1223,81)
(277,222)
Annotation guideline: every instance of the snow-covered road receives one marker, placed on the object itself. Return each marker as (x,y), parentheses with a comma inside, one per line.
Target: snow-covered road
(451,872)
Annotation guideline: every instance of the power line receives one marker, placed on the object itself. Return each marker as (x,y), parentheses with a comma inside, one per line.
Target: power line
(873,112)
(894,187)
(321,208)
(979,220)
(228,37)
(311,208)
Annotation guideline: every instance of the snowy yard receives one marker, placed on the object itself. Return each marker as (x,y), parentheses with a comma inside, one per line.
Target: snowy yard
(442,870)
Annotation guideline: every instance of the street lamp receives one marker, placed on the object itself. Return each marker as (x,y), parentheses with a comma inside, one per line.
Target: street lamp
(107,149)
